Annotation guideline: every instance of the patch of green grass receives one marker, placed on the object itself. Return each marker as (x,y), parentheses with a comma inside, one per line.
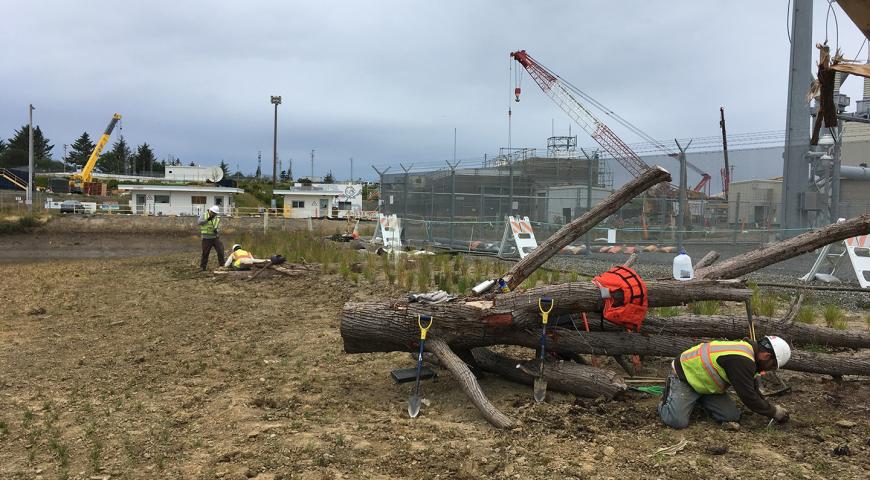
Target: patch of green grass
(20,225)
(4,429)
(806,314)
(867,320)
(666,311)
(834,317)
(705,307)
(762,304)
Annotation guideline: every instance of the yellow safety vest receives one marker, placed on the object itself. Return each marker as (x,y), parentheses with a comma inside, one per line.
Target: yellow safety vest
(702,369)
(238,256)
(209,228)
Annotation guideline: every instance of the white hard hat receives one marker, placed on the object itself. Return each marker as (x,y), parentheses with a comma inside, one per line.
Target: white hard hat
(236,246)
(215,209)
(780,348)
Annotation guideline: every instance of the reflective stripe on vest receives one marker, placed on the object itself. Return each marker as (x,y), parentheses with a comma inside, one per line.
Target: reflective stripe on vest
(239,255)
(208,229)
(702,370)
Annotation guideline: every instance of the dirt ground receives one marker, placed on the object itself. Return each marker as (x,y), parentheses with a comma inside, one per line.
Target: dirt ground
(143,368)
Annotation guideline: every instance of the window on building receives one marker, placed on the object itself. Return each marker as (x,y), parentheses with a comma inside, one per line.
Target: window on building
(161,198)
(298,204)
(197,200)
(344,205)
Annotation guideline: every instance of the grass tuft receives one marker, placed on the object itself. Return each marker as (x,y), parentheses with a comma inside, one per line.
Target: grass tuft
(705,307)
(806,314)
(834,317)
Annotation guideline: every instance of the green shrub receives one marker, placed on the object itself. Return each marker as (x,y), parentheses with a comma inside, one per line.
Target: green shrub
(806,314)
(762,304)
(834,317)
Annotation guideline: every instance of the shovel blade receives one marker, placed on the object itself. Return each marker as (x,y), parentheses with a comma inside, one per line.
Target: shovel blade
(414,405)
(540,389)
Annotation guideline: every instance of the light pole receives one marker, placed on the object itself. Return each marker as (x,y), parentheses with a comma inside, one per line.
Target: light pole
(29,196)
(275,101)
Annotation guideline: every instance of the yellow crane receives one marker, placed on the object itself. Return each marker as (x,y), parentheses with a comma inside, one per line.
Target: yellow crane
(77,180)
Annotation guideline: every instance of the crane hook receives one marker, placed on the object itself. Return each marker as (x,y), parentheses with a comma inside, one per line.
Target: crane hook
(517,93)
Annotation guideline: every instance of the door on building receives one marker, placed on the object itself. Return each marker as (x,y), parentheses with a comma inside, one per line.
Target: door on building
(140,203)
(219,201)
(324,207)
(566,214)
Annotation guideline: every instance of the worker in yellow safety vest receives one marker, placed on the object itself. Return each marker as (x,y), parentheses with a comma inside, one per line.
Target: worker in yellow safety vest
(241,259)
(209,231)
(703,374)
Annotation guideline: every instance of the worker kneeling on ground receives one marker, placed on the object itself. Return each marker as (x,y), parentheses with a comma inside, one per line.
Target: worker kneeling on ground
(209,230)
(241,259)
(704,372)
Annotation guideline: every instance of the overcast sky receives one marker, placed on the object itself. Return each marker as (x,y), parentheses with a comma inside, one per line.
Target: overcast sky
(388,81)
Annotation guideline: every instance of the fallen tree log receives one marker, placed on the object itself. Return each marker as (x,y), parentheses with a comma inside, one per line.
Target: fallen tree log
(392,326)
(581,380)
(777,252)
(734,327)
(574,230)
(612,343)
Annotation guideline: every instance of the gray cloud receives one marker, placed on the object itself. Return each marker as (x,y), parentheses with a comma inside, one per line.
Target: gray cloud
(388,81)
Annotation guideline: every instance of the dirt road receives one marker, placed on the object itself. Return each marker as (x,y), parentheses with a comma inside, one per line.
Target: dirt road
(144,368)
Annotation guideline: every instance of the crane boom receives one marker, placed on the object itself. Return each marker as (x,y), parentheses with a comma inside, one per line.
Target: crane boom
(601,133)
(86,175)
(556,89)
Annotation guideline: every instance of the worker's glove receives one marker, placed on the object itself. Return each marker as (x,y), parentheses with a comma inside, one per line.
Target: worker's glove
(780,414)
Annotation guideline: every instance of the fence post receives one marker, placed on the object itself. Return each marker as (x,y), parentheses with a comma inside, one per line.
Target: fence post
(736,218)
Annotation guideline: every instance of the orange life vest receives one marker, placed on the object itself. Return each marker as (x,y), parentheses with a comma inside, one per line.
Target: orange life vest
(629,310)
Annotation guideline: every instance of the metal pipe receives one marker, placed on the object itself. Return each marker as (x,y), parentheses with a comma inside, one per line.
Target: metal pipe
(849,172)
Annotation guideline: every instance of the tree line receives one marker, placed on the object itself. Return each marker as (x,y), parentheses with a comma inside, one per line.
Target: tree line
(120,158)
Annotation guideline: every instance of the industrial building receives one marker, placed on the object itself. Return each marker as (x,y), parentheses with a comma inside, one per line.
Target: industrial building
(544,187)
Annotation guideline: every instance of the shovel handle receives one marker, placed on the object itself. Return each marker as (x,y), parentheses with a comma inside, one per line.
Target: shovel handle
(545,314)
(424,330)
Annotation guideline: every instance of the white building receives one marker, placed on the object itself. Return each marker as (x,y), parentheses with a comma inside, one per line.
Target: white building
(754,201)
(335,200)
(179,200)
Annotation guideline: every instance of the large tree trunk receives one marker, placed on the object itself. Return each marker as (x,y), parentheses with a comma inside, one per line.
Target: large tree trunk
(563,376)
(574,230)
(392,326)
(776,252)
(734,327)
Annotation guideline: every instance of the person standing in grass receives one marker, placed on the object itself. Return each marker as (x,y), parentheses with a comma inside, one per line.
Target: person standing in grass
(209,230)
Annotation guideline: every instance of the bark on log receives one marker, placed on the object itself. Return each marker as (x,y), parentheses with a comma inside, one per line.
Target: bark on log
(468,382)
(574,230)
(735,327)
(564,340)
(386,327)
(776,252)
(581,380)
(707,260)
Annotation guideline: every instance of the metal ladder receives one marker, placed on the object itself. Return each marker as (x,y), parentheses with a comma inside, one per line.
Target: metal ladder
(829,260)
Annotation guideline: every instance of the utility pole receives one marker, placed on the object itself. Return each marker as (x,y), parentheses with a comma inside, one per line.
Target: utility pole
(351,169)
(64,157)
(290,168)
(452,196)
(312,166)
(276,100)
(795,180)
(29,196)
(259,164)
(726,174)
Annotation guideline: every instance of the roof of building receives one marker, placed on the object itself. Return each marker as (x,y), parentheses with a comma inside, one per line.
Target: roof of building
(180,188)
(322,190)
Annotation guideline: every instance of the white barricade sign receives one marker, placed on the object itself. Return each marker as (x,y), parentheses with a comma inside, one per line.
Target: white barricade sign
(390,230)
(520,229)
(858,249)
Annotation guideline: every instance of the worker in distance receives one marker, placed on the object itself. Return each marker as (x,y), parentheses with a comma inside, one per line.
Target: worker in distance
(703,373)
(209,231)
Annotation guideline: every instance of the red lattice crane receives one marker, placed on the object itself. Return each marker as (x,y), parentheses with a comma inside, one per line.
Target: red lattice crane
(565,96)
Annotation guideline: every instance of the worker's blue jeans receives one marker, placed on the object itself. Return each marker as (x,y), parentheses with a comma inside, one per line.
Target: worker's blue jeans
(680,400)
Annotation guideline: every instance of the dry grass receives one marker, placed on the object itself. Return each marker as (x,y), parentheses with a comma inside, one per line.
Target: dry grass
(834,317)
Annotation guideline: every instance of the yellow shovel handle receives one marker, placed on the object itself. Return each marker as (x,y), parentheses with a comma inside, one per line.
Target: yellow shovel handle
(424,330)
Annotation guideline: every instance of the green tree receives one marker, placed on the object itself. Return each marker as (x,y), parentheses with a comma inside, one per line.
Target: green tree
(115,159)
(258,172)
(81,150)
(225,168)
(15,153)
(144,159)
(2,147)
(329,178)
